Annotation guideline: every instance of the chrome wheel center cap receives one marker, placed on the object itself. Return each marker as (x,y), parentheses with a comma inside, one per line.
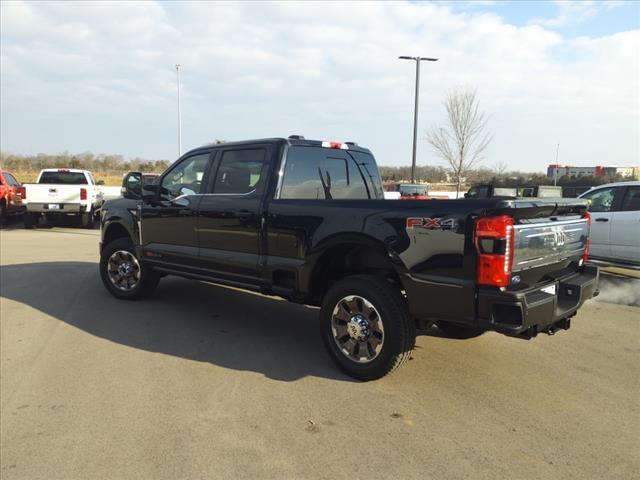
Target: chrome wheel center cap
(124,269)
(358,328)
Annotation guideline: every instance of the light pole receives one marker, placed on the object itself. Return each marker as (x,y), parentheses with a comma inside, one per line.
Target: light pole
(415,111)
(178,66)
(555,177)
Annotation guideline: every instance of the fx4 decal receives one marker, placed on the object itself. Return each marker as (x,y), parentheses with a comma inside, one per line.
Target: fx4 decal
(431,223)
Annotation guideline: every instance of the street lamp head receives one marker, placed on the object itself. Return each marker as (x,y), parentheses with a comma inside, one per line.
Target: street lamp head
(427,59)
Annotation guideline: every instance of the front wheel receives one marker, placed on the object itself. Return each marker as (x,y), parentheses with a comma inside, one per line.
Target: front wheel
(366,327)
(123,274)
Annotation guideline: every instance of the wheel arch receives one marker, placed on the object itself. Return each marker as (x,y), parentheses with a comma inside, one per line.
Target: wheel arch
(346,255)
(114,231)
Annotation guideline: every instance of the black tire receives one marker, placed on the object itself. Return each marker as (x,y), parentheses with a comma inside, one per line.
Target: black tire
(3,214)
(30,220)
(456,330)
(148,278)
(399,331)
(87,220)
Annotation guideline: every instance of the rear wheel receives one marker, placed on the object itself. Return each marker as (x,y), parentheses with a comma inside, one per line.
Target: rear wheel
(3,213)
(123,274)
(366,327)
(30,219)
(87,219)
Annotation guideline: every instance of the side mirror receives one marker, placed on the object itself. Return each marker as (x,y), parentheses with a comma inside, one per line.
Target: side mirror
(132,186)
(100,182)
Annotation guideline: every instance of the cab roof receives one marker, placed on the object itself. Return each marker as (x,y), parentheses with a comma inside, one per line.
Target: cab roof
(293,140)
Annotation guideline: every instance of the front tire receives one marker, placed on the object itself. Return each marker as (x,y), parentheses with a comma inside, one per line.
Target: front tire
(124,275)
(366,327)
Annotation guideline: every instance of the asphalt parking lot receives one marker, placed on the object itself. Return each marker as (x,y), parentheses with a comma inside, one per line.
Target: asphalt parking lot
(203,381)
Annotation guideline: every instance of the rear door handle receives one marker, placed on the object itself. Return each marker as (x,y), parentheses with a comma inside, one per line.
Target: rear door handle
(602,219)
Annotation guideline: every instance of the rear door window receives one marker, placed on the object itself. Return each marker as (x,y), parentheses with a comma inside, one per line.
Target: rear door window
(631,200)
(241,172)
(315,173)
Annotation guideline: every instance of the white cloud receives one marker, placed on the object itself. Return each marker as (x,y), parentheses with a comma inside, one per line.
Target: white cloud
(570,11)
(100,76)
(577,11)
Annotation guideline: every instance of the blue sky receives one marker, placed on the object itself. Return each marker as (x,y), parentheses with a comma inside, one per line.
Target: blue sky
(608,18)
(100,76)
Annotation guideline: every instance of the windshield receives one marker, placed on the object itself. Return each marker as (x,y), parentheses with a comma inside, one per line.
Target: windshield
(63,178)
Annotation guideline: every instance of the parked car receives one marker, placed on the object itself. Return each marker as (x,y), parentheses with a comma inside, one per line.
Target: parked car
(410,191)
(61,192)
(10,198)
(305,220)
(541,191)
(530,191)
(615,216)
(488,191)
(147,179)
(573,191)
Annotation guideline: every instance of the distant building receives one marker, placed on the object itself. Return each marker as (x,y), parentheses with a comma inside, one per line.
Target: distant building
(560,171)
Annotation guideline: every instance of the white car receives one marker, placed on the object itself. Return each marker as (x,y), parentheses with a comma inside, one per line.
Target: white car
(61,192)
(615,222)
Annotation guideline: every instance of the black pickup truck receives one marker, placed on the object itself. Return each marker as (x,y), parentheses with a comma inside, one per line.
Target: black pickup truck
(306,220)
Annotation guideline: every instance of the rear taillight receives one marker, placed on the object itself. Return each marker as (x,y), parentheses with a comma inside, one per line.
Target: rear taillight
(22,191)
(83,194)
(494,243)
(585,256)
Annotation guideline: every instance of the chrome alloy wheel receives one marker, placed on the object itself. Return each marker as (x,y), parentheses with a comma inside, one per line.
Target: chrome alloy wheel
(123,270)
(357,329)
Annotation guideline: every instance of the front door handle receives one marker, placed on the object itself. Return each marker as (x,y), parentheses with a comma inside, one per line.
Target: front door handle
(244,214)
(602,219)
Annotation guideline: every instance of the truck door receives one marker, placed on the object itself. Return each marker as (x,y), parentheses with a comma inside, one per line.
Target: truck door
(230,216)
(168,222)
(625,227)
(601,206)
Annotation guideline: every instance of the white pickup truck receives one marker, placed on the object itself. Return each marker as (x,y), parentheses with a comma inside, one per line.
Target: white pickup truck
(62,192)
(615,222)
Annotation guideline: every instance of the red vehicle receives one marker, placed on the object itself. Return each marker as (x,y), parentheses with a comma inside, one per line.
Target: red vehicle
(10,198)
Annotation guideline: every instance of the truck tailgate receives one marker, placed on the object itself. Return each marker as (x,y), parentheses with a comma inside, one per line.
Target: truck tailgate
(550,238)
(538,244)
(52,193)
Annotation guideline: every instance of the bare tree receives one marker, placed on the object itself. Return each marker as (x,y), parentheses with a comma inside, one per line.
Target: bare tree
(500,168)
(463,141)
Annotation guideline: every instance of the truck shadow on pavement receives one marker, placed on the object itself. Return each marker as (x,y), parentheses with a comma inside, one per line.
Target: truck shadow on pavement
(184,318)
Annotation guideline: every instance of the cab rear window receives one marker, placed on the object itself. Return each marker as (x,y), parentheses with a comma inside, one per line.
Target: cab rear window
(316,173)
(63,178)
